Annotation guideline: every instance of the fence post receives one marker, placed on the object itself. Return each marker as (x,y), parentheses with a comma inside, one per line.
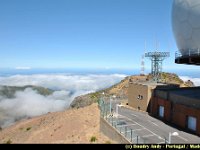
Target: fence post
(103,110)
(112,121)
(137,139)
(131,135)
(106,115)
(125,131)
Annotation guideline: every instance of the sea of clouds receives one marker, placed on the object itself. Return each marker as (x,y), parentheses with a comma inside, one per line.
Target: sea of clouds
(29,103)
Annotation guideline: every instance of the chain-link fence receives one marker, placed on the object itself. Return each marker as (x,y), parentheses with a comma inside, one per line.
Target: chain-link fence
(110,114)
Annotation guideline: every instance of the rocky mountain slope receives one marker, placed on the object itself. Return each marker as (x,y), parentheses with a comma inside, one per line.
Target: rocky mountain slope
(120,89)
(70,126)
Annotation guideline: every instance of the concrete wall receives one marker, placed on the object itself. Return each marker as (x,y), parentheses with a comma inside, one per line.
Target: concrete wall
(136,89)
(111,132)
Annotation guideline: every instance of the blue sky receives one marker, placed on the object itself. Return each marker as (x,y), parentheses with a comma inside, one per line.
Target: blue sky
(84,33)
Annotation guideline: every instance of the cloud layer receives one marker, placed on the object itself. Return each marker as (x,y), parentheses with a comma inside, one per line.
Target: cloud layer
(29,103)
(196,81)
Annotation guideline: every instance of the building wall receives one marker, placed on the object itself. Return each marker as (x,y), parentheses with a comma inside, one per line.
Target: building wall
(175,113)
(134,91)
(180,114)
(176,108)
(181,99)
(111,132)
(156,102)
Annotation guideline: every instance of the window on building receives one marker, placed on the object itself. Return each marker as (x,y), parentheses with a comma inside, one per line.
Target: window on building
(191,123)
(140,97)
(161,111)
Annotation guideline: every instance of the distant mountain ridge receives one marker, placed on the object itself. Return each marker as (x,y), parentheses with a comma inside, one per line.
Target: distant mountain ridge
(9,91)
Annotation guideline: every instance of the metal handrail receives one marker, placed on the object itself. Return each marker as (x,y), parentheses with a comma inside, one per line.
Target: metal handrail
(187,53)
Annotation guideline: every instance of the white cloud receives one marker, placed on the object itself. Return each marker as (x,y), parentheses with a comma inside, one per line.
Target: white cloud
(29,103)
(196,81)
(64,82)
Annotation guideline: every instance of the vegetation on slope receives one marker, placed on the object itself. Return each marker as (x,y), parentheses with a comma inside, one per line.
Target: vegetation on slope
(9,91)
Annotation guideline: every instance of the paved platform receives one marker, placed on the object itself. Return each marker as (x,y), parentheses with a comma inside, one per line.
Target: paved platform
(147,129)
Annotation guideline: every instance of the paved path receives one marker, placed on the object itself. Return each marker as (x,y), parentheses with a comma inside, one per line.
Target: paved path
(151,129)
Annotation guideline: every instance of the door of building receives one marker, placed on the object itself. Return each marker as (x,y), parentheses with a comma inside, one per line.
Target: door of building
(161,111)
(192,122)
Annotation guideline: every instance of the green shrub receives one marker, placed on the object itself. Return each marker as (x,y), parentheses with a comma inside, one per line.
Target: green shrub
(107,142)
(9,141)
(27,129)
(93,139)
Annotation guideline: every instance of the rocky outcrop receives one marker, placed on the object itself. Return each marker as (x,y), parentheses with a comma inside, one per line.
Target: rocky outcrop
(120,89)
(85,100)
(189,83)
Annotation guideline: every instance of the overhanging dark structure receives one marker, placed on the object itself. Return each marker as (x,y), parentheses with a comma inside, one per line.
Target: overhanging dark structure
(188,59)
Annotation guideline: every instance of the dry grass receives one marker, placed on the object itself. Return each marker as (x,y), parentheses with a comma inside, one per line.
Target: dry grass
(70,126)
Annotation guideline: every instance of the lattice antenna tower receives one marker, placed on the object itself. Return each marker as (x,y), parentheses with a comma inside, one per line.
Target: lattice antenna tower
(156,63)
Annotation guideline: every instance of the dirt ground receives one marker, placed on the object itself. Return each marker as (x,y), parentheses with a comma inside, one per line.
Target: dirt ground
(70,126)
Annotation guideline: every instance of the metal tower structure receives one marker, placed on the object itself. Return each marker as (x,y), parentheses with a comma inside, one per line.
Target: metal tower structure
(156,62)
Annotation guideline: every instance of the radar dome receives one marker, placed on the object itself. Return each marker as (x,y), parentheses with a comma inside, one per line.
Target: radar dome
(186,25)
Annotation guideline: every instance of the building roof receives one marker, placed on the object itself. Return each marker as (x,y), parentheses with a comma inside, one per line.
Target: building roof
(190,92)
(149,83)
(193,92)
(157,85)
(189,96)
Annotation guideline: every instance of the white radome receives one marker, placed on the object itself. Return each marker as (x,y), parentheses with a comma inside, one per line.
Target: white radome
(186,25)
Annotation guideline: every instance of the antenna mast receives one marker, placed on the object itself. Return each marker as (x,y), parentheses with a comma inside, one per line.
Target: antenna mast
(142,61)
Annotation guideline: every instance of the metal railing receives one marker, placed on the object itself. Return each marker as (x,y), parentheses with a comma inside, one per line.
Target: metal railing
(120,126)
(186,53)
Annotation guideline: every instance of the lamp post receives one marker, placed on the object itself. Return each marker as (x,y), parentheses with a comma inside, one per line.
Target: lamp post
(103,104)
(117,105)
(172,134)
(117,110)
(110,105)
(113,97)
(103,95)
